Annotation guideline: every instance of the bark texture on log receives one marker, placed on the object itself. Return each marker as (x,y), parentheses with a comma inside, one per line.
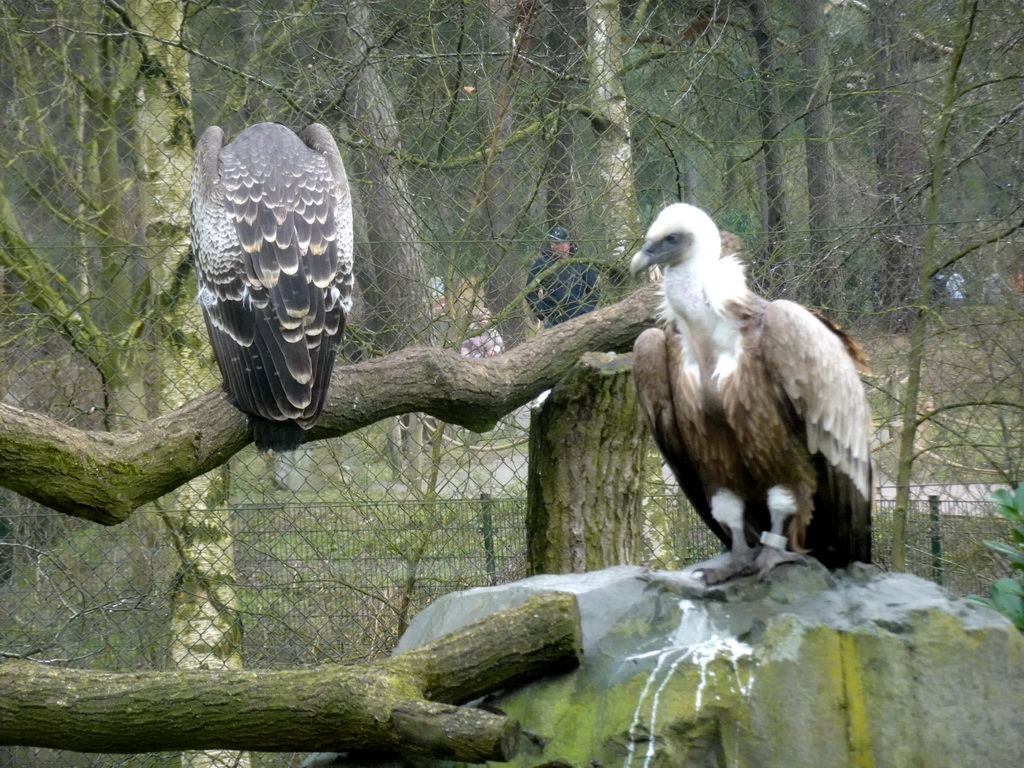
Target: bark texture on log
(587,446)
(405,704)
(105,476)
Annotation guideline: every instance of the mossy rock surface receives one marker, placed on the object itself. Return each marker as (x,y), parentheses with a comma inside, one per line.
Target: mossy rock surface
(813,669)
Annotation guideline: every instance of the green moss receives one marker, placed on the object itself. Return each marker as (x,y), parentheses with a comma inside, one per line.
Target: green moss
(705,713)
(859,737)
(865,674)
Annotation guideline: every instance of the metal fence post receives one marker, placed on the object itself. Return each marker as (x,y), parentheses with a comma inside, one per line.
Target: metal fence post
(935,532)
(487,529)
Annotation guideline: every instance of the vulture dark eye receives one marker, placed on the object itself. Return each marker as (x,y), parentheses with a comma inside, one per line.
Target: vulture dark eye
(672,239)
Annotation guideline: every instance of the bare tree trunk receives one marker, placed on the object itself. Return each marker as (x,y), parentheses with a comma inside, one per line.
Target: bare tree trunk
(494,215)
(690,185)
(769,109)
(615,194)
(205,629)
(825,284)
(163,162)
(395,284)
(926,270)
(730,180)
(900,164)
(246,34)
(565,52)
(587,446)
(394,274)
(112,285)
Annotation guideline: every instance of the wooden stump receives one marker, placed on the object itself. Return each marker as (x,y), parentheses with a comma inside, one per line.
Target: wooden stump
(587,446)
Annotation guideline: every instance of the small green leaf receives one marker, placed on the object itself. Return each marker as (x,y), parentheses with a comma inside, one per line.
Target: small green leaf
(1010,506)
(1009,513)
(986,601)
(1007,594)
(1013,554)
(1009,586)
(1008,604)
(1002,496)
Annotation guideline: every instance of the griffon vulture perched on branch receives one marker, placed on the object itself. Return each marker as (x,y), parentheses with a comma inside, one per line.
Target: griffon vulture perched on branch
(757,406)
(272,239)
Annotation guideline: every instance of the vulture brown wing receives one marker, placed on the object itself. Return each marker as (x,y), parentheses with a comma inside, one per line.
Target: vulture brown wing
(224,290)
(656,367)
(811,363)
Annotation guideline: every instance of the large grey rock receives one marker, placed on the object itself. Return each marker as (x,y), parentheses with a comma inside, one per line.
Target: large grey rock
(811,669)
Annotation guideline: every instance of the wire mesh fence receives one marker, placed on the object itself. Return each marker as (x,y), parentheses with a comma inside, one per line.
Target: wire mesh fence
(337,582)
(326,583)
(829,146)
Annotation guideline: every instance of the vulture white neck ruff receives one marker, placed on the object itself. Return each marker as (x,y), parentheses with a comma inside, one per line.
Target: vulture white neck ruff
(700,296)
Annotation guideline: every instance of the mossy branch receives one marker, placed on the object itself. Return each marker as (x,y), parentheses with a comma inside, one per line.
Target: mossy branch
(405,704)
(105,476)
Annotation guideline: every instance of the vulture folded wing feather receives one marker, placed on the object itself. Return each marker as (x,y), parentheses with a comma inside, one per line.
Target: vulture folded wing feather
(231,317)
(319,219)
(224,293)
(291,301)
(322,356)
(812,365)
(289,367)
(288,243)
(331,224)
(245,380)
(303,224)
(655,371)
(337,300)
(315,321)
(843,537)
(272,234)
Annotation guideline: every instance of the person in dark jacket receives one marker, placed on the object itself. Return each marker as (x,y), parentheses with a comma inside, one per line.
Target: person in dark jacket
(558,287)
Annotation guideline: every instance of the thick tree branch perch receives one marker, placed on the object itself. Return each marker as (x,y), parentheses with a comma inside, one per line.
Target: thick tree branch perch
(105,476)
(404,704)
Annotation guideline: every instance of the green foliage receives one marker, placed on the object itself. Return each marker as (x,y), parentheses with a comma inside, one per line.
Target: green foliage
(1007,595)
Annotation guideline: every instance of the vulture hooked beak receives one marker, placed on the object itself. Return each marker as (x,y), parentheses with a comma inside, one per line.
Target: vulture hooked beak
(642,259)
(664,251)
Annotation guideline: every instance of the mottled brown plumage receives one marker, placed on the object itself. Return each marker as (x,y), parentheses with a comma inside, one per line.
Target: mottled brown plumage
(757,407)
(272,239)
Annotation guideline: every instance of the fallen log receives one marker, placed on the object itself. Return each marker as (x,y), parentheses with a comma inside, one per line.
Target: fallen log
(405,704)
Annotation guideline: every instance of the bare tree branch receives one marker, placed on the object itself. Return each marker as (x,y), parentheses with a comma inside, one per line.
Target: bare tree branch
(105,476)
(405,704)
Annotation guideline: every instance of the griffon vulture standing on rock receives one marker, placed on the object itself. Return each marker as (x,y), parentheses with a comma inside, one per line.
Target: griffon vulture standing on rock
(756,405)
(272,240)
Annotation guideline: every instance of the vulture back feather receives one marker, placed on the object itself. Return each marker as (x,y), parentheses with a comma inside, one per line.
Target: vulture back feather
(272,240)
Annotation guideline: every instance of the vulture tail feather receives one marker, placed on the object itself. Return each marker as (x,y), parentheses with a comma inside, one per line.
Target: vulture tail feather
(276,435)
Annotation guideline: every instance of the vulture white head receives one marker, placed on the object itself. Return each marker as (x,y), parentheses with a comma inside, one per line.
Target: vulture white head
(699,282)
(681,234)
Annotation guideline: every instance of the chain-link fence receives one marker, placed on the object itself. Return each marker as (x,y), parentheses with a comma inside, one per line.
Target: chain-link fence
(865,158)
(319,582)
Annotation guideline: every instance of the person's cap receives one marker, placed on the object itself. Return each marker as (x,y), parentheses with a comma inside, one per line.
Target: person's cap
(559,233)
